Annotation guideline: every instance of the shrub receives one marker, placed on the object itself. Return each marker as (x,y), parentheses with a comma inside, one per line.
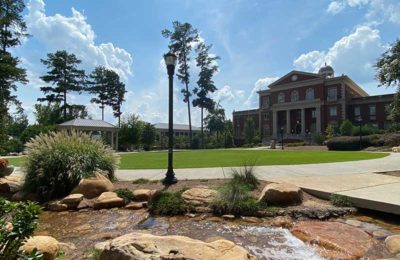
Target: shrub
(389,139)
(169,203)
(56,162)
(125,194)
(235,199)
(346,128)
(341,200)
(141,181)
(302,143)
(330,132)
(3,163)
(348,143)
(366,130)
(246,176)
(319,138)
(18,221)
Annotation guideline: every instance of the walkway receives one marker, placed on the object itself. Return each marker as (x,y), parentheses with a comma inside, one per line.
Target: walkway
(356,179)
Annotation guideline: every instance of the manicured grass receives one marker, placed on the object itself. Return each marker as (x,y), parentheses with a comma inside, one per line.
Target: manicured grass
(231,157)
(236,157)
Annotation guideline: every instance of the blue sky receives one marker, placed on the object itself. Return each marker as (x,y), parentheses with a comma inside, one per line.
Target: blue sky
(258,41)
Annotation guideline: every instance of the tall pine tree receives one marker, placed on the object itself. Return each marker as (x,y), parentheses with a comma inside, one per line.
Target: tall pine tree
(65,77)
(12,30)
(208,68)
(181,40)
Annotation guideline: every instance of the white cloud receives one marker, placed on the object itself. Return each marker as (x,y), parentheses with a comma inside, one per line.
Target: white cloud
(227,93)
(73,33)
(353,55)
(260,84)
(377,10)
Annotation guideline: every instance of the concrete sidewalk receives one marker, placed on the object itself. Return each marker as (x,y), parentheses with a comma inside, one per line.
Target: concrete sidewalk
(356,179)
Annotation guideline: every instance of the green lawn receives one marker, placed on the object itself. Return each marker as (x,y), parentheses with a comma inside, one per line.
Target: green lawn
(231,157)
(235,157)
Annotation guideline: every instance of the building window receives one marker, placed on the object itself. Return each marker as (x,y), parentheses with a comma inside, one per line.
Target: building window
(265,103)
(266,116)
(294,96)
(357,111)
(281,97)
(372,112)
(332,111)
(313,113)
(310,94)
(332,94)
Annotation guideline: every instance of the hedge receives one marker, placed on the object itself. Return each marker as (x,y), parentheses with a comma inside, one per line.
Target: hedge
(348,143)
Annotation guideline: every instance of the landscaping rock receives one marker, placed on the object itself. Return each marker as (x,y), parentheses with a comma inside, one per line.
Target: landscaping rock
(282,221)
(144,194)
(381,234)
(253,220)
(228,217)
(108,200)
(49,246)
(72,200)
(396,149)
(329,237)
(57,206)
(354,223)
(93,186)
(85,203)
(136,205)
(200,196)
(393,244)
(281,194)
(148,247)
(11,184)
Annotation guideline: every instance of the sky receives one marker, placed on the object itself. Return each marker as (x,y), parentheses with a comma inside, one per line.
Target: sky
(257,42)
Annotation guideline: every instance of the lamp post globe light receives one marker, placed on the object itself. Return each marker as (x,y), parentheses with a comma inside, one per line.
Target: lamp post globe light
(359,121)
(170,61)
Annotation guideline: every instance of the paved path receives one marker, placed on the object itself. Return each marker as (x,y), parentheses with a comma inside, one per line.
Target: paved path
(356,179)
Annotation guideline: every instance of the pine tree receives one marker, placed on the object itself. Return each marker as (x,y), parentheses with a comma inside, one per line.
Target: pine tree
(208,68)
(12,30)
(181,42)
(118,97)
(65,77)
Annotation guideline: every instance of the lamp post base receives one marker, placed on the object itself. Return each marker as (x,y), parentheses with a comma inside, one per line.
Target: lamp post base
(169,178)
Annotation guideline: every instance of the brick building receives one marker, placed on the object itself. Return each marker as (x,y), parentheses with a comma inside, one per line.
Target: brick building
(302,104)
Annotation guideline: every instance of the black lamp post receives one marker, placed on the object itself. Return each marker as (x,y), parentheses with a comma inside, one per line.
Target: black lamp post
(282,138)
(359,120)
(170,62)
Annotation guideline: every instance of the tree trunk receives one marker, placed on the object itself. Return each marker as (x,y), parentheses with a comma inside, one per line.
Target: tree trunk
(190,118)
(202,133)
(102,112)
(65,105)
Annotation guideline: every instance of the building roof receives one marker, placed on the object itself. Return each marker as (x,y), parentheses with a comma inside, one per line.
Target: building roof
(87,123)
(181,127)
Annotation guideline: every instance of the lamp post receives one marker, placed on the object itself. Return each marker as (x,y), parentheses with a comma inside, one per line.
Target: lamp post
(170,62)
(282,138)
(359,120)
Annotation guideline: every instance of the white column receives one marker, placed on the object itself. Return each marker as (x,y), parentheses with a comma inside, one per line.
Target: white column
(303,121)
(275,123)
(318,119)
(288,122)
(112,140)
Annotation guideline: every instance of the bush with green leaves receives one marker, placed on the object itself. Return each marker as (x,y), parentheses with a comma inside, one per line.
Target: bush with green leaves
(366,130)
(125,194)
(18,221)
(348,143)
(319,138)
(169,203)
(56,162)
(245,176)
(236,200)
(346,128)
(341,200)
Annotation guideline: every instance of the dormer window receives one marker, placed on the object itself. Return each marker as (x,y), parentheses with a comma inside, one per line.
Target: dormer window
(294,96)
(281,97)
(310,94)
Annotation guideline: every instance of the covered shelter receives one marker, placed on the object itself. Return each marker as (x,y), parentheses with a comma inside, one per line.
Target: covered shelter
(110,131)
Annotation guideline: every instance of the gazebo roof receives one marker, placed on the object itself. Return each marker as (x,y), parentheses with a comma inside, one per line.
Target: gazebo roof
(88,124)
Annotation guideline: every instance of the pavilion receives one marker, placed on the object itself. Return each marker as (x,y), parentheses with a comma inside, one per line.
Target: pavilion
(88,125)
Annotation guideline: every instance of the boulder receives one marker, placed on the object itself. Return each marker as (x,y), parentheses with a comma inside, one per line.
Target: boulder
(281,194)
(393,244)
(72,200)
(144,194)
(396,149)
(57,206)
(282,221)
(11,184)
(334,240)
(136,205)
(85,203)
(200,196)
(49,246)
(108,200)
(93,186)
(148,247)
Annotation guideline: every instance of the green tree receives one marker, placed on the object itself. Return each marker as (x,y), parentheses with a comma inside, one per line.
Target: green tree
(17,124)
(130,132)
(249,130)
(12,30)
(109,90)
(50,114)
(346,128)
(148,136)
(330,132)
(64,76)
(228,133)
(181,40)
(215,120)
(388,73)
(208,68)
